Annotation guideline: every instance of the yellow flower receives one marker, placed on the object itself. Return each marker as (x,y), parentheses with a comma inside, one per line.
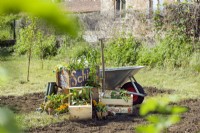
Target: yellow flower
(94,102)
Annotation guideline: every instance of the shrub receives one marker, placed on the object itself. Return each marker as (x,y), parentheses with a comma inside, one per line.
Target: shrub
(122,51)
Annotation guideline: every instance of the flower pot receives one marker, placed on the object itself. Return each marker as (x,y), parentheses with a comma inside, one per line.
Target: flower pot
(50,111)
(99,115)
(104,114)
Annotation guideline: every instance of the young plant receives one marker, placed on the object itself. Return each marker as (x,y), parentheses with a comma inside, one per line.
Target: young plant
(80,96)
(56,102)
(122,94)
(25,41)
(99,106)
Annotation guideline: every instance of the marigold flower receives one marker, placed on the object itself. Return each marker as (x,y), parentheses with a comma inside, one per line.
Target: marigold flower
(94,102)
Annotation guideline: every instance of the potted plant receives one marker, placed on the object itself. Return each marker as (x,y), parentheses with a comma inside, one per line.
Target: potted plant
(63,108)
(80,96)
(80,103)
(101,109)
(55,104)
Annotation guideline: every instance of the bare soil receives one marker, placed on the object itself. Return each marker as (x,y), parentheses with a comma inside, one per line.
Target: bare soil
(116,124)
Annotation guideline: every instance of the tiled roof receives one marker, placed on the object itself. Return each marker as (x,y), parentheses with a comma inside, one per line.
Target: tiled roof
(82,5)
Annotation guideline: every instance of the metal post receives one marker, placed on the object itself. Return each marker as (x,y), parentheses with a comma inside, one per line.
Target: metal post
(103,65)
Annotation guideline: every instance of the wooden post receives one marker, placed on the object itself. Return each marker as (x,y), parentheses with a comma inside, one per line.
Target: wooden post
(103,65)
(150,8)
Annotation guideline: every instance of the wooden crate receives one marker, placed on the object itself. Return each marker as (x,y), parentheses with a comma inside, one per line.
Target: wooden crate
(122,110)
(80,112)
(119,105)
(118,101)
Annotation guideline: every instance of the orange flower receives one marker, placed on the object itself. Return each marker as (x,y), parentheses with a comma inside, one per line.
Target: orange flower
(62,107)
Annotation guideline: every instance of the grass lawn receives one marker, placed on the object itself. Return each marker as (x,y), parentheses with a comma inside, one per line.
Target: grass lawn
(185,83)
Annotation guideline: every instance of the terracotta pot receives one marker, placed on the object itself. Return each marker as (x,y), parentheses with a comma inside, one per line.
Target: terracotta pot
(99,115)
(50,111)
(104,114)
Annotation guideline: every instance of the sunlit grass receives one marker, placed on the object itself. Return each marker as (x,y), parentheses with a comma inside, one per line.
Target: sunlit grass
(17,84)
(37,119)
(185,82)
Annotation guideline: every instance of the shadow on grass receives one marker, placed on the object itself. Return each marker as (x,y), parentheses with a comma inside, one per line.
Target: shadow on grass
(5,53)
(22,104)
(153,91)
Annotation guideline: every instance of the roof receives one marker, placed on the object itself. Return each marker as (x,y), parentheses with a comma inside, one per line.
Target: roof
(82,5)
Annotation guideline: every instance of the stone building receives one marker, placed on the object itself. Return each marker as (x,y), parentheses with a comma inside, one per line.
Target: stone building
(102,18)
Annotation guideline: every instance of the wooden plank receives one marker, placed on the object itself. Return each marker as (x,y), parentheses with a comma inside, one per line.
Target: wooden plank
(95,94)
(80,112)
(128,110)
(118,101)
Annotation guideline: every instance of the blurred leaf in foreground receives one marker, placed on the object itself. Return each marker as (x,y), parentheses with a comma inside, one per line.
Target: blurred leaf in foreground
(7,122)
(164,115)
(44,9)
(3,76)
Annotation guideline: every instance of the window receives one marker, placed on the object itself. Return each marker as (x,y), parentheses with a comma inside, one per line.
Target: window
(120,8)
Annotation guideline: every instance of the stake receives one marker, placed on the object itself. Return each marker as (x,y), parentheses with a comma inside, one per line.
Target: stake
(103,65)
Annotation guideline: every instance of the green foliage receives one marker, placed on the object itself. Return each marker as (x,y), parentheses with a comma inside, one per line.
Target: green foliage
(122,51)
(3,76)
(100,106)
(122,94)
(58,104)
(6,22)
(31,38)
(81,55)
(45,45)
(149,56)
(195,61)
(5,33)
(80,96)
(158,20)
(174,50)
(25,40)
(52,14)
(57,100)
(7,122)
(5,53)
(164,115)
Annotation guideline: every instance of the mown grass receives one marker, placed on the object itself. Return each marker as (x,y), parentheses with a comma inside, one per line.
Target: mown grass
(185,83)
(17,68)
(37,119)
(18,86)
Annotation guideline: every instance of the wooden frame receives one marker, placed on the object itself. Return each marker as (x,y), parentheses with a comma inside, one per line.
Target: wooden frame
(118,101)
(80,112)
(122,110)
(119,105)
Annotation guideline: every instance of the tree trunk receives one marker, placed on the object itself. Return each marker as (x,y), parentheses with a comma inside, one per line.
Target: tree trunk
(29,62)
(42,62)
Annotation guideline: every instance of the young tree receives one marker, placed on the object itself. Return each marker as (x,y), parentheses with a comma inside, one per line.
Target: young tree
(44,46)
(25,41)
(52,15)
